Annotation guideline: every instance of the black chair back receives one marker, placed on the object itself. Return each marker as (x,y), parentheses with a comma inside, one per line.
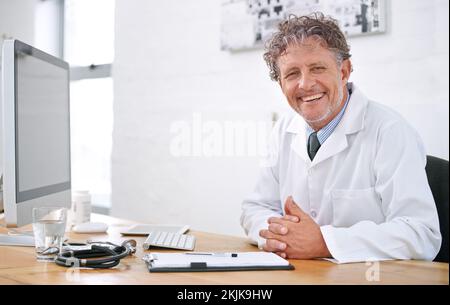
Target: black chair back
(437,173)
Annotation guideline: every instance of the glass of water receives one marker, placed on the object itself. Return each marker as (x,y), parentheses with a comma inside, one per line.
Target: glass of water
(49,224)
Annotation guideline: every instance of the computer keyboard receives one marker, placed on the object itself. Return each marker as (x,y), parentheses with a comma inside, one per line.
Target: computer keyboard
(170,240)
(16,240)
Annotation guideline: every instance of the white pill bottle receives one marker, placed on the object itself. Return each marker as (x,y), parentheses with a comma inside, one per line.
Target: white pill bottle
(81,207)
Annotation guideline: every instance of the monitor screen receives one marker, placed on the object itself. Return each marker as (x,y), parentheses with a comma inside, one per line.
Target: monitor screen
(35,131)
(42,127)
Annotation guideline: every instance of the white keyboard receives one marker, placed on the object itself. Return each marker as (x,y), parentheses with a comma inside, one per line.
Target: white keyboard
(170,240)
(16,240)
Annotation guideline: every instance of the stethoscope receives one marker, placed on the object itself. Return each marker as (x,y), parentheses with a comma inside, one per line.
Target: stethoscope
(110,254)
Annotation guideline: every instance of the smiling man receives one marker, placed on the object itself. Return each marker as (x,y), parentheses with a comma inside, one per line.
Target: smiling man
(346,179)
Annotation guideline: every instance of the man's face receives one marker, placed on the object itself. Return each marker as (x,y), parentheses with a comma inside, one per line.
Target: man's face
(312,82)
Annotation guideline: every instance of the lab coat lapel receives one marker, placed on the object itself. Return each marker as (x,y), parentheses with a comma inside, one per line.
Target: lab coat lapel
(351,122)
(335,143)
(298,128)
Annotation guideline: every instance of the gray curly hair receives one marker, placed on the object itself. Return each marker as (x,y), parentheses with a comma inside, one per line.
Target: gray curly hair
(295,30)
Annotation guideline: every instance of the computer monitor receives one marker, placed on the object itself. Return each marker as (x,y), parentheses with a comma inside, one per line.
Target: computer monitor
(35,132)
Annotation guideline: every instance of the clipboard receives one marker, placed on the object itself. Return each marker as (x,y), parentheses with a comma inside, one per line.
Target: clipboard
(205,262)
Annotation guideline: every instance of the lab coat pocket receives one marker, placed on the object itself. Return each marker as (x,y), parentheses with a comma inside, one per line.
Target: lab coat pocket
(353,206)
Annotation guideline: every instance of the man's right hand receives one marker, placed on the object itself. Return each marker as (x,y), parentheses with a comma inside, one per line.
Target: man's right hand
(274,245)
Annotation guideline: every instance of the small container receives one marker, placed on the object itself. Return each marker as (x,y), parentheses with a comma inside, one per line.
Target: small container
(81,207)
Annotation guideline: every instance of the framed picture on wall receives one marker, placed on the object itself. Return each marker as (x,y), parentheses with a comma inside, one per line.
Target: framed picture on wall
(248,23)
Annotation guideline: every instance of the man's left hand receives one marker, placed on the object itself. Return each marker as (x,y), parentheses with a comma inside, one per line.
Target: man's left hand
(304,239)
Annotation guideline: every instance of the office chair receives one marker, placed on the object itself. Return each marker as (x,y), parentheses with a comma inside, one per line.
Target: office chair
(437,173)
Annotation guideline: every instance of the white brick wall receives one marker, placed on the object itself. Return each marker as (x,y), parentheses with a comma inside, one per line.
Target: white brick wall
(168,65)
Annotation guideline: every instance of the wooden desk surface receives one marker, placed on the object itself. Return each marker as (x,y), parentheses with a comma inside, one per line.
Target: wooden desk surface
(19,266)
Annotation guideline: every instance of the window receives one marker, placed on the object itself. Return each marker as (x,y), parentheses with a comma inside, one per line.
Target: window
(89,32)
(91,131)
(89,49)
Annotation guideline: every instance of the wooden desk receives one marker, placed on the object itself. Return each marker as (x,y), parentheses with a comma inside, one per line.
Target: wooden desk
(19,266)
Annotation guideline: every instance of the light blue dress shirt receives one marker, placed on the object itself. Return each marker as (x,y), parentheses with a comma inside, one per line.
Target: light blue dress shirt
(326,131)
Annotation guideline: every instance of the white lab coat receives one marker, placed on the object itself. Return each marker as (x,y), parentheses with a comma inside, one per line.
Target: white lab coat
(366,187)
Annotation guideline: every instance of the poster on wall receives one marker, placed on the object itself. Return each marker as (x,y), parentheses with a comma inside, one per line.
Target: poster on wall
(249,23)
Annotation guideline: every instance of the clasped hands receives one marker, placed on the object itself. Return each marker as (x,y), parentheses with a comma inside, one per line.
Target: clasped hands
(295,235)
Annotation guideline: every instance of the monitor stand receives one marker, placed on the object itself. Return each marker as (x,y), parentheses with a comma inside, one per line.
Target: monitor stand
(9,237)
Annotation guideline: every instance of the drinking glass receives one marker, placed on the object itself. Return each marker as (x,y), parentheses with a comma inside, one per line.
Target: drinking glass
(49,225)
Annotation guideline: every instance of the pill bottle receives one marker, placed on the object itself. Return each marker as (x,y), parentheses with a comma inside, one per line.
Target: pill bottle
(81,207)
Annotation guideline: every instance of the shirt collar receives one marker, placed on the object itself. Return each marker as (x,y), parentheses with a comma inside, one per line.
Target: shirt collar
(327,130)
